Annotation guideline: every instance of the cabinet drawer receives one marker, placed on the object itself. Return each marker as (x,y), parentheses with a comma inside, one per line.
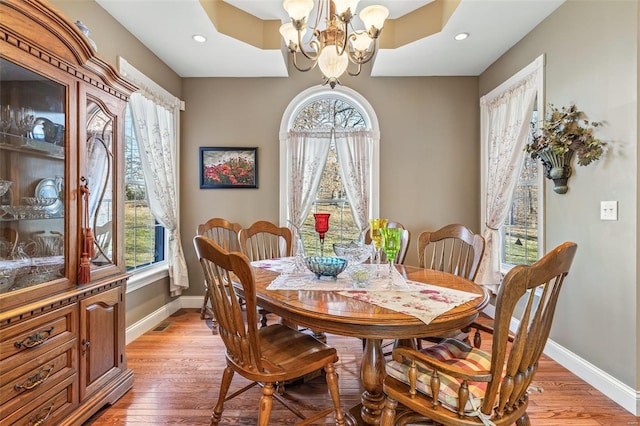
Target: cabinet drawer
(48,409)
(36,336)
(35,377)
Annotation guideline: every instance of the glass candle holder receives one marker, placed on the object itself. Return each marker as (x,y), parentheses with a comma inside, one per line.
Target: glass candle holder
(322,226)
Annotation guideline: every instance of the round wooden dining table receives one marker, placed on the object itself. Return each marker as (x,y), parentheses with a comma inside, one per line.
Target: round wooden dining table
(330,312)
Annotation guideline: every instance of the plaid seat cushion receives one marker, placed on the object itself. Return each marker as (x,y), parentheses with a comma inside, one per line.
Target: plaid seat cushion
(453,352)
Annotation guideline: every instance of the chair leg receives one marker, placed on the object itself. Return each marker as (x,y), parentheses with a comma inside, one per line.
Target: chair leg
(205,301)
(227,377)
(206,312)
(263,317)
(389,412)
(266,402)
(332,383)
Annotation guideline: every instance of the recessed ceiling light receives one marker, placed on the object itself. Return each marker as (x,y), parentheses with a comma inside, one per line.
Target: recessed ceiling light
(461,36)
(199,38)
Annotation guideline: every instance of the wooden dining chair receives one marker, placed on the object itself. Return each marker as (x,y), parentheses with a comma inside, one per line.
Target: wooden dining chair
(454,384)
(405,240)
(266,355)
(453,248)
(225,234)
(265,240)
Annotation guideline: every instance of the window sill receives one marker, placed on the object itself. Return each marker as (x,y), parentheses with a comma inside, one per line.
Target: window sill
(147,276)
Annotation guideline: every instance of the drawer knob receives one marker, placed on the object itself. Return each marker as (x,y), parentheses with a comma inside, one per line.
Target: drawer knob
(35,339)
(36,380)
(85,345)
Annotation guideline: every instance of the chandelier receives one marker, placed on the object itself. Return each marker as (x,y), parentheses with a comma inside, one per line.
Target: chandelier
(335,44)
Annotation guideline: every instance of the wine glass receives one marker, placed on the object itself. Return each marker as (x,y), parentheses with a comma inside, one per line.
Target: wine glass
(6,115)
(374,231)
(24,118)
(391,246)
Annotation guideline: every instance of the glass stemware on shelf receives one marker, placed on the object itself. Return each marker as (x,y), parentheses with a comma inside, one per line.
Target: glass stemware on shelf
(25,118)
(374,231)
(391,246)
(6,116)
(322,226)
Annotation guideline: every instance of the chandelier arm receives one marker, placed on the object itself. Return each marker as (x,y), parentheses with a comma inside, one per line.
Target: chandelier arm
(314,45)
(345,41)
(302,69)
(357,73)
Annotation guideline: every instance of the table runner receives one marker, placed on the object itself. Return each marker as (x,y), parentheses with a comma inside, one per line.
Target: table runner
(423,301)
(420,300)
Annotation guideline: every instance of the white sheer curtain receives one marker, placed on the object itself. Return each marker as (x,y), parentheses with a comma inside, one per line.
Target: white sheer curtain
(307,156)
(355,152)
(156,136)
(505,120)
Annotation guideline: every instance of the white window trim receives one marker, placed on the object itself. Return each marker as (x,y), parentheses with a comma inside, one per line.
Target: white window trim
(539,62)
(293,109)
(144,276)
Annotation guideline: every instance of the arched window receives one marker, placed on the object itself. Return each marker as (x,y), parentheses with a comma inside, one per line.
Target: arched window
(329,146)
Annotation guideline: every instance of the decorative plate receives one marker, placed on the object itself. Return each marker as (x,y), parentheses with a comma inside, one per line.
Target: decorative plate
(47,188)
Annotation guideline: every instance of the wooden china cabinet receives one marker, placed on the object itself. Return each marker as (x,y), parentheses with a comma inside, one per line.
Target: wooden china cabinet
(62,271)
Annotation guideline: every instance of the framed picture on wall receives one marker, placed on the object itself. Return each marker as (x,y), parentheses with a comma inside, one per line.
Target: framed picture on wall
(224,167)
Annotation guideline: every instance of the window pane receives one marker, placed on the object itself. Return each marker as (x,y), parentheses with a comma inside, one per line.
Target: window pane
(521,227)
(330,113)
(144,237)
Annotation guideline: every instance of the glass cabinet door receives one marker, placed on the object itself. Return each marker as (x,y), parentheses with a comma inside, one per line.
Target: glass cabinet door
(100,177)
(32,170)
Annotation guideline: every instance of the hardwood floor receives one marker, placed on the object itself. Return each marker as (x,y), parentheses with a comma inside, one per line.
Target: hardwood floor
(178,366)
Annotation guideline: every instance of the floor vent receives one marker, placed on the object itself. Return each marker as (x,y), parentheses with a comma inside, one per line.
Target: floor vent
(163,326)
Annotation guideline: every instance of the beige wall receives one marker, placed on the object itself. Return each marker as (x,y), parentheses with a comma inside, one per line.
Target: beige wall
(147,300)
(591,59)
(429,149)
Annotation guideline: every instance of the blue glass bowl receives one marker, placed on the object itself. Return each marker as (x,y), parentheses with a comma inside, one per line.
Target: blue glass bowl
(326,266)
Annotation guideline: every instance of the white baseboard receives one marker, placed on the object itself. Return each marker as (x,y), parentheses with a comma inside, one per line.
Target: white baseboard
(147,323)
(612,388)
(192,302)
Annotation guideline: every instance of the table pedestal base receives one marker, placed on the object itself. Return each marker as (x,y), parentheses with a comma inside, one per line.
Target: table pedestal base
(372,405)
(371,376)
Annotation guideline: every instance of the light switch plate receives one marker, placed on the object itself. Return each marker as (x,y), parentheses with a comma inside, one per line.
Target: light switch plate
(608,210)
